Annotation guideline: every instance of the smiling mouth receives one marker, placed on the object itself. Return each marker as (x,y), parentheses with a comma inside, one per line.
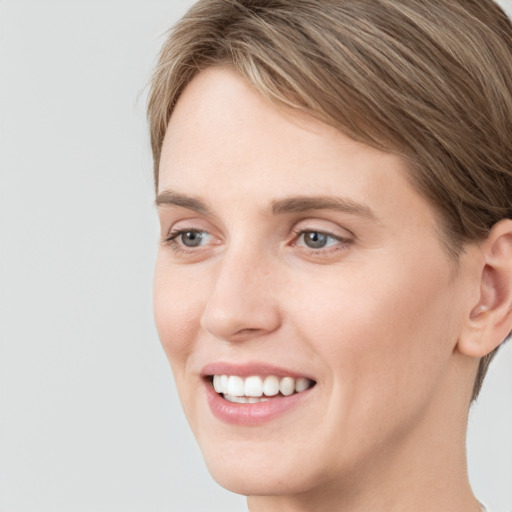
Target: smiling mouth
(256,389)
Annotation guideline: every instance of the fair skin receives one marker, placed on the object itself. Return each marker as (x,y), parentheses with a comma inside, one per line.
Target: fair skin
(297,251)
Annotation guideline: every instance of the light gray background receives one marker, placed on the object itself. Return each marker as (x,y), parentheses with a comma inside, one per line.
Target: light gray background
(89,419)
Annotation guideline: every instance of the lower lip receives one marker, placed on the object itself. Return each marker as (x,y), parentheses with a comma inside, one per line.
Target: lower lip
(251,414)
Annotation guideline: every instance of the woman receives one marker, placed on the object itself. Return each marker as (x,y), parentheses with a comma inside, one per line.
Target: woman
(333,184)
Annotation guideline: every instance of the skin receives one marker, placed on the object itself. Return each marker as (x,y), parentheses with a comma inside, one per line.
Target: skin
(376,317)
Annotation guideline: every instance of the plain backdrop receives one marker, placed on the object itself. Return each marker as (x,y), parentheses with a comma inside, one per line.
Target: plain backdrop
(89,417)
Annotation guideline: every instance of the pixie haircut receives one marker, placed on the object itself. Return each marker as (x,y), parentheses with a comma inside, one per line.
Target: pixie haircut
(428,81)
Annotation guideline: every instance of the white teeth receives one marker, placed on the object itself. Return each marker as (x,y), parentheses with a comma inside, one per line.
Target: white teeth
(235,386)
(253,389)
(287,386)
(271,386)
(244,399)
(302,384)
(253,386)
(216,383)
(255,400)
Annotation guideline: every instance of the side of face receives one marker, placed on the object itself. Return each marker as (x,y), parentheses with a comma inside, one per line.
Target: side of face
(287,245)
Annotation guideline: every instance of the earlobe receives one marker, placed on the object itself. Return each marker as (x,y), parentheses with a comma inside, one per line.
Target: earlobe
(490,319)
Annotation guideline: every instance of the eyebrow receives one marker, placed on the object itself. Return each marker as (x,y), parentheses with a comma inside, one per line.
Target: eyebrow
(295,204)
(171,198)
(306,203)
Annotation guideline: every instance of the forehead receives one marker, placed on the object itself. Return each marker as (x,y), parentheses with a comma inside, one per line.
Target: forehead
(221,117)
(227,143)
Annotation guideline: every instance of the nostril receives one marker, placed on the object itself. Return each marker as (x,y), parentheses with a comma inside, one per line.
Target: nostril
(237,311)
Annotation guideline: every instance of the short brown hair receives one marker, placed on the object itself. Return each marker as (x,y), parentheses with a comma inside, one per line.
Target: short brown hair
(429,81)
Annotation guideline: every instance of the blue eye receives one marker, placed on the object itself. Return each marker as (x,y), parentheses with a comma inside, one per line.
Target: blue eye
(189,238)
(316,239)
(192,238)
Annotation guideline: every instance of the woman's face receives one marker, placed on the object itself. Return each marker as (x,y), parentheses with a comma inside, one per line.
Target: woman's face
(296,256)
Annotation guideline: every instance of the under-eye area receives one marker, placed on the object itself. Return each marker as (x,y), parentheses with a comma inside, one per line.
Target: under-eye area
(255,388)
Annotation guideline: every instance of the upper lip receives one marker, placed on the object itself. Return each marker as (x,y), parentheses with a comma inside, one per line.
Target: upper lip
(249,369)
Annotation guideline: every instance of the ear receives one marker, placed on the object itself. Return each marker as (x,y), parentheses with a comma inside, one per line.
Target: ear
(490,320)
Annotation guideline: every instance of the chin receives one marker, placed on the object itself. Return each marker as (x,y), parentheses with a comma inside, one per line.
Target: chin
(251,482)
(255,472)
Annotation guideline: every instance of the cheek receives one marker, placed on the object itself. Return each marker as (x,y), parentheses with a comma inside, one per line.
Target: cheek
(383,342)
(178,311)
(381,332)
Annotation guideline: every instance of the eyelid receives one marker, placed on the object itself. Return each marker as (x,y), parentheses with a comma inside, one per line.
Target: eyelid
(191,253)
(341,237)
(300,232)
(174,233)
(325,226)
(328,234)
(173,224)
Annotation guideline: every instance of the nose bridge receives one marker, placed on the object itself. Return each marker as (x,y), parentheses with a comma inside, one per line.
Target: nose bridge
(241,305)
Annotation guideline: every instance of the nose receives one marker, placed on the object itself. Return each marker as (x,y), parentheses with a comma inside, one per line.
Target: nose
(241,305)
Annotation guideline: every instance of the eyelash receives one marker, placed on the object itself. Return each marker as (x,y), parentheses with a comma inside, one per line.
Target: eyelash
(172,241)
(342,244)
